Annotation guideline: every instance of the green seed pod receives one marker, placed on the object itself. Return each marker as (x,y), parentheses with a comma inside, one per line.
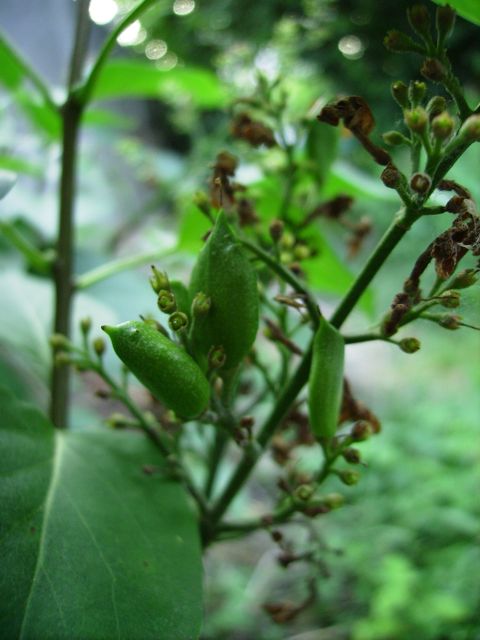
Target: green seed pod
(163,367)
(325,384)
(224,273)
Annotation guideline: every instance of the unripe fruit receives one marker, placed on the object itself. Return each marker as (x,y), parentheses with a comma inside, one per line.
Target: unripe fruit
(224,274)
(163,367)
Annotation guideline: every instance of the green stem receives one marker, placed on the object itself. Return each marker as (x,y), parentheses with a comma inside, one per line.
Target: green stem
(114,267)
(85,92)
(388,242)
(287,276)
(63,267)
(366,337)
(234,529)
(216,454)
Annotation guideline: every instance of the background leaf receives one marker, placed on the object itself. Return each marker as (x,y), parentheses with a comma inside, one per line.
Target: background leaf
(468,9)
(7,180)
(92,547)
(133,78)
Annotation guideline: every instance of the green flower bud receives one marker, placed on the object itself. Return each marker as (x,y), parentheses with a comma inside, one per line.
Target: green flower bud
(287,241)
(400,93)
(301,252)
(436,106)
(416,119)
(166,301)
(394,138)
(159,280)
(85,325)
(99,346)
(445,22)
(304,492)
(334,500)
(442,126)
(348,477)
(419,20)
(409,345)
(420,183)
(450,299)
(201,304)
(62,358)
(286,257)
(416,92)
(361,430)
(216,357)
(464,279)
(178,321)
(470,129)
(59,341)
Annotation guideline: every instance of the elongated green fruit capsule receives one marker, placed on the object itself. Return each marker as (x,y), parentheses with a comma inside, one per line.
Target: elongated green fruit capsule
(167,371)
(224,274)
(325,384)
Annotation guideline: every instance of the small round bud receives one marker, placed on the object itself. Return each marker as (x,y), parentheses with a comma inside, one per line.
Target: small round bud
(178,321)
(445,22)
(99,346)
(304,492)
(419,20)
(286,257)
(62,358)
(85,325)
(450,321)
(433,69)
(201,304)
(400,93)
(301,252)
(159,280)
(333,500)
(464,279)
(416,119)
(416,92)
(394,138)
(117,421)
(352,455)
(276,230)
(287,241)
(59,341)
(436,106)
(420,183)
(166,301)
(361,430)
(470,129)
(409,345)
(450,299)
(216,357)
(348,477)
(391,176)
(442,126)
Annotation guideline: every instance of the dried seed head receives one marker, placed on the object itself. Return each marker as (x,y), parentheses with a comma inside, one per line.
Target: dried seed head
(450,299)
(433,69)
(420,183)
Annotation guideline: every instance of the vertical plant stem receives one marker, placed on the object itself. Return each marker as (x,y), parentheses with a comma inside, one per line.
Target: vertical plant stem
(63,268)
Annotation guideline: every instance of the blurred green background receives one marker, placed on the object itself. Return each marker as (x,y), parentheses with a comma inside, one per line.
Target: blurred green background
(403,555)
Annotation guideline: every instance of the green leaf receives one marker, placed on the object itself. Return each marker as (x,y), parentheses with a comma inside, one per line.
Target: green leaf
(19,165)
(193,227)
(468,9)
(7,180)
(469,308)
(41,115)
(133,78)
(11,66)
(91,546)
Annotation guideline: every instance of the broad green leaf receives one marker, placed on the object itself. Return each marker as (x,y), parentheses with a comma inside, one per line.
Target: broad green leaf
(107,120)
(133,78)
(19,165)
(468,9)
(7,180)
(11,66)
(193,227)
(91,546)
(39,114)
